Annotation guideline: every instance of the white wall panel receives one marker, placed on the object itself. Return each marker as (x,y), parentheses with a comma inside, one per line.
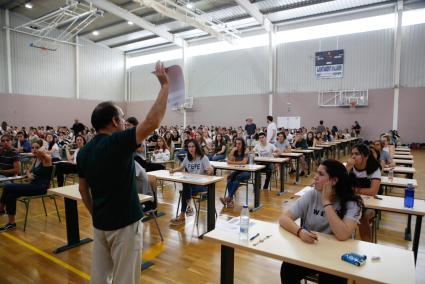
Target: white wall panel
(101,72)
(242,72)
(367,63)
(144,86)
(38,73)
(413,56)
(3,64)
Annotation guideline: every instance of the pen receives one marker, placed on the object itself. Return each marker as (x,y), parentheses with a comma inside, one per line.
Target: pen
(253,237)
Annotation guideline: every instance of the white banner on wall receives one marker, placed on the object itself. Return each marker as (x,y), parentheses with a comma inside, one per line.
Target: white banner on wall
(329,64)
(291,122)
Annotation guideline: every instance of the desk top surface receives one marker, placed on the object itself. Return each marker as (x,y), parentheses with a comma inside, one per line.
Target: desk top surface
(315,148)
(247,167)
(394,204)
(4,179)
(398,181)
(403,170)
(72,192)
(395,265)
(406,157)
(185,177)
(404,162)
(305,151)
(271,159)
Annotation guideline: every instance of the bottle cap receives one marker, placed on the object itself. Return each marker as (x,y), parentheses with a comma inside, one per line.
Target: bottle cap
(245,206)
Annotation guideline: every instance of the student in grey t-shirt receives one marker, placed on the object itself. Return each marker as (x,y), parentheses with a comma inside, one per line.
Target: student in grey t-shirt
(321,210)
(195,163)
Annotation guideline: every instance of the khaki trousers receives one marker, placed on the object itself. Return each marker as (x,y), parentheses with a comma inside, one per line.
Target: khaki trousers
(116,255)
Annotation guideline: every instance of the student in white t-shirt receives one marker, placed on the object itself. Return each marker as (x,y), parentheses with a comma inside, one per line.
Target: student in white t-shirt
(366,173)
(331,207)
(196,162)
(265,149)
(271,130)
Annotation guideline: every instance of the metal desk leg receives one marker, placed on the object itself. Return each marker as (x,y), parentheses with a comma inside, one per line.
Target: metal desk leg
(282,179)
(257,188)
(297,179)
(227,265)
(417,236)
(408,231)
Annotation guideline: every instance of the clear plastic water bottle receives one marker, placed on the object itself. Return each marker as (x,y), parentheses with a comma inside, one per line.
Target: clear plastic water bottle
(390,175)
(409,196)
(244,224)
(251,158)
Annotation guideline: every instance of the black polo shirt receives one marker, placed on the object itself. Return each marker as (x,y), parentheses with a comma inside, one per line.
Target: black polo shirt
(7,158)
(106,162)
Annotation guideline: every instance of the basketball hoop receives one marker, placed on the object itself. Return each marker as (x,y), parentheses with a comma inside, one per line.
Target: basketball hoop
(353,104)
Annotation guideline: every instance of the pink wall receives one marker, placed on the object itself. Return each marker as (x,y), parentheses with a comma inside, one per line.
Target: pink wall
(374,119)
(232,111)
(23,110)
(411,110)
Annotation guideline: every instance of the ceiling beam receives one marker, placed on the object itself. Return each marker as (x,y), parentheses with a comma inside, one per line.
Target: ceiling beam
(255,13)
(128,16)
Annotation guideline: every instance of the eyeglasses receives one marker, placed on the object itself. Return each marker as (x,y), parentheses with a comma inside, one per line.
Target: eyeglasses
(261,240)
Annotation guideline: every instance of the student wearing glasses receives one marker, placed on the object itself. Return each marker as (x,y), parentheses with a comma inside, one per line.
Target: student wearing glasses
(332,207)
(39,179)
(196,162)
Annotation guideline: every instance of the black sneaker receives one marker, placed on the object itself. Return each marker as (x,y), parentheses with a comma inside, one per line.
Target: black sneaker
(8,227)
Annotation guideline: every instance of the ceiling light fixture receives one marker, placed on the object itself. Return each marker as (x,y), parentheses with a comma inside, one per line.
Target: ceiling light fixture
(28,5)
(189,5)
(95,33)
(130,23)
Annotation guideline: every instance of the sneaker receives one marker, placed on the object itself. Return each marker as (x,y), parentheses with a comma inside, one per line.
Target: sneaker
(8,227)
(177,221)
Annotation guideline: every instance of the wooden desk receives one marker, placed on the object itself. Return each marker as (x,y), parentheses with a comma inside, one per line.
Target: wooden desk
(5,179)
(281,162)
(402,170)
(407,149)
(308,153)
(402,152)
(408,163)
(396,204)
(72,195)
(296,156)
(246,168)
(404,157)
(395,265)
(194,179)
(398,182)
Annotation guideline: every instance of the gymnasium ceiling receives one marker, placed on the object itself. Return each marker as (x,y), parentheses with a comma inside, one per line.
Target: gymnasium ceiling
(115,31)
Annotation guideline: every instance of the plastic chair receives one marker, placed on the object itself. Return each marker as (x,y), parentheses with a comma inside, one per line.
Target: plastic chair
(153,212)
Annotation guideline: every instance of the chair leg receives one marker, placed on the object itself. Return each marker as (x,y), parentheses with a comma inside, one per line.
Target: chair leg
(56,206)
(27,207)
(157,226)
(178,204)
(44,205)
(197,210)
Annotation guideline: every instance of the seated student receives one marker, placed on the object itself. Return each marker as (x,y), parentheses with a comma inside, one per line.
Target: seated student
(238,156)
(139,155)
(161,152)
(266,149)
(201,140)
(331,207)
(385,159)
(282,143)
(144,185)
(219,147)
(311,142)
(301,143)
(52,147)
(168,137)
(364,170)
(196,162)
(10,164)
(23,145)
(70,165)
(39,176)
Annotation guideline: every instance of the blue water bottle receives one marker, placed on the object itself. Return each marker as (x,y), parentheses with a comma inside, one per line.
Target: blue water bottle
(409,196)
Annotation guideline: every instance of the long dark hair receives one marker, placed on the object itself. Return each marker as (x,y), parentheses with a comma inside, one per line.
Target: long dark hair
(198,150)
(372,164)
(219,144)
(344,188)
(51,143)
(243,144)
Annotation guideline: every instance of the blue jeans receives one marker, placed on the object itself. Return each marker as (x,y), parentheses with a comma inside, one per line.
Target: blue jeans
(234,180)
(188,191)
(218,157)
